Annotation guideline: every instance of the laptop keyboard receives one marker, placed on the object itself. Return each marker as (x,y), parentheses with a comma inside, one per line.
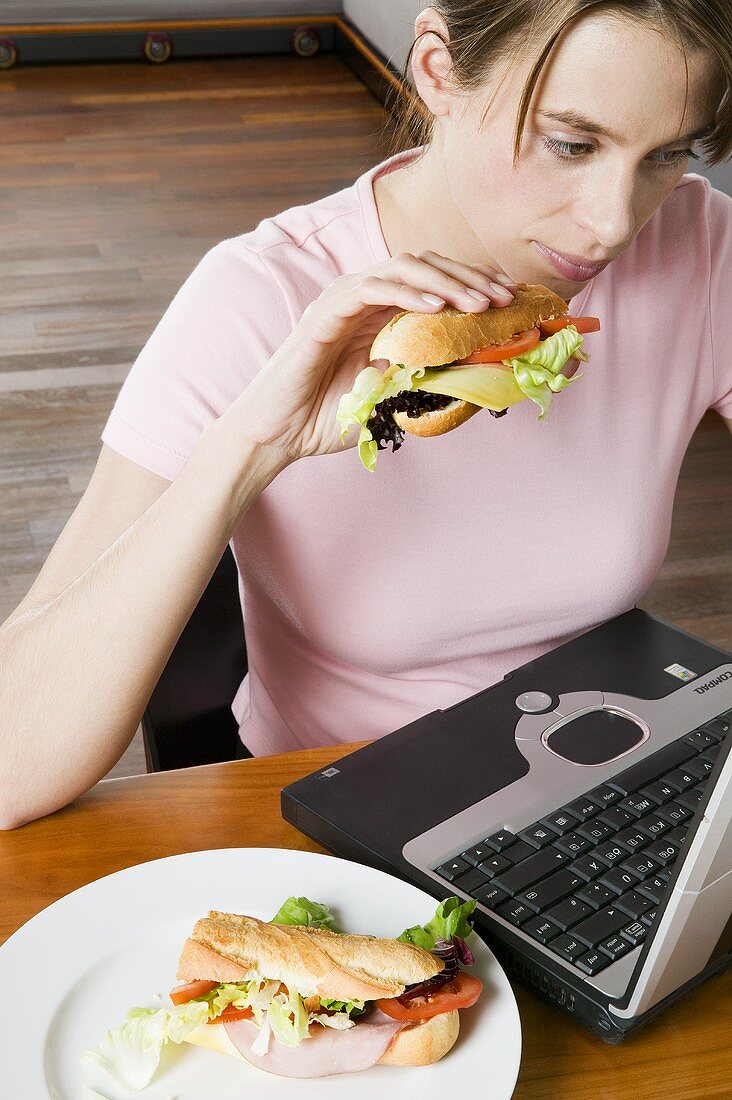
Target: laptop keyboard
(586,880)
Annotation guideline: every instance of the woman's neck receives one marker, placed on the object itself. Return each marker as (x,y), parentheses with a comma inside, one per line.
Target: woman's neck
(417,213)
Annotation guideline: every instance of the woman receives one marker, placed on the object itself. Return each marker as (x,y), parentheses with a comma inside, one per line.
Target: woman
(370,599)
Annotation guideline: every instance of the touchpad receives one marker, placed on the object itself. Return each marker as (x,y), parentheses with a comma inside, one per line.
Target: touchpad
(595,737)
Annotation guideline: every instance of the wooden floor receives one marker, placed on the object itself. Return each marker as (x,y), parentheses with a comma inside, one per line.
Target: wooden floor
(115,180)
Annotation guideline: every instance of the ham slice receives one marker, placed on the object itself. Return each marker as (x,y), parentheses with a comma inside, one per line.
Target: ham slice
(326,1051)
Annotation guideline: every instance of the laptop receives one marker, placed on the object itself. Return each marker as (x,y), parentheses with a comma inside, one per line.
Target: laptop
(584,802)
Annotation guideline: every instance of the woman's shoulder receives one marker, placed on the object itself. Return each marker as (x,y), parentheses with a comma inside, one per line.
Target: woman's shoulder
(303,247)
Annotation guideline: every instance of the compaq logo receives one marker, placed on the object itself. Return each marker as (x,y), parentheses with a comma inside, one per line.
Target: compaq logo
(713,683)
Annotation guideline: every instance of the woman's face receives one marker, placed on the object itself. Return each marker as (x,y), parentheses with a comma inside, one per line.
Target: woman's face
(577,191)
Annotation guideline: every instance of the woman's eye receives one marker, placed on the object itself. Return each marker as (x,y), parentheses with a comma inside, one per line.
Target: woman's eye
(673,157)
(567,150)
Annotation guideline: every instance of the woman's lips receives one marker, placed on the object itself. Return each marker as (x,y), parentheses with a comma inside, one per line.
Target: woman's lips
(570,267)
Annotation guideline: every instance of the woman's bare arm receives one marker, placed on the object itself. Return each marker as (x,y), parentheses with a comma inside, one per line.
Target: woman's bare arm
(81,654)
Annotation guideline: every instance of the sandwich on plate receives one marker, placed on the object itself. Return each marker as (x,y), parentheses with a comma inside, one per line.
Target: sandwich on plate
(445,367)
(295,998)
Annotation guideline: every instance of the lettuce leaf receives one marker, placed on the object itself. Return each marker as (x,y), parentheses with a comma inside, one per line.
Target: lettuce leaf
(538,371)
(304,911)
(450,919)
(131,1052)
(356,407)
(288,1018)
(349,1007)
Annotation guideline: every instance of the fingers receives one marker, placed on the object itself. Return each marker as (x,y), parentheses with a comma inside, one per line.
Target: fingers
(459,279)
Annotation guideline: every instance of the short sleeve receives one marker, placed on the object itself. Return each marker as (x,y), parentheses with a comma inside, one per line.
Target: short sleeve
(223,325)
(720,299)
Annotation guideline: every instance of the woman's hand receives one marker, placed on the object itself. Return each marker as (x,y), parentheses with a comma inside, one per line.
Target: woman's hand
(292,403)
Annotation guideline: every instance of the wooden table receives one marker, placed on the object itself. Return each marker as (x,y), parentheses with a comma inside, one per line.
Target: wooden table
(684,1055)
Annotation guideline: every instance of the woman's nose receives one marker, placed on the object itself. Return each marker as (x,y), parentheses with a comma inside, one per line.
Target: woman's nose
(608,213)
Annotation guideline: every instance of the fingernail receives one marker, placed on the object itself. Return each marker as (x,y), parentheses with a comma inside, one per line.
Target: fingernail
(501,289)
(478,295)
(433,300)
(505,280)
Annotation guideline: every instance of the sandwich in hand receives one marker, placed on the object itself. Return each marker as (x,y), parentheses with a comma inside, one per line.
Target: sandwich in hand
(446,366)
(297,999)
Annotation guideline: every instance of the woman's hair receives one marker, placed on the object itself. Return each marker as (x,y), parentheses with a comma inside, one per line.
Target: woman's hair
(486,33)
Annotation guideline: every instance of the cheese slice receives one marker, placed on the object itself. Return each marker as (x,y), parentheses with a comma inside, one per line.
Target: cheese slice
(490,387)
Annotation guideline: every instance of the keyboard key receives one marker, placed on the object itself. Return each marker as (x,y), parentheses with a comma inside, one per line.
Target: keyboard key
(615,817)
(568,912)
(699,767)
(542,863)
(515,912)
(610,853)
(677,835)
(719,727)
(561,822)
(490,896)
(568,947)
(587,867)
(499,841)
(592,962)
(700,739)
(602,924)
(618,880)
(633,903)
(648,917)
(615,947)
(476,855)
(582,808)
(635,933)
(537,835)
(604,796)
(690,799)
(659,792)
(640,865)
(652,888)
(652,826)
(541,929)
(682,779)
(711,753)
(518,851)
(637,804)
(663,851)
(493,865)
(452,869)
(637,776)
(674,813)
(632,839)
(594,830)
(472,880)
(549,890)
(595,894)
(572,844)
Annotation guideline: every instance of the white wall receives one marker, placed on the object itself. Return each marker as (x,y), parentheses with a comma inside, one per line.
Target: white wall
(108,11)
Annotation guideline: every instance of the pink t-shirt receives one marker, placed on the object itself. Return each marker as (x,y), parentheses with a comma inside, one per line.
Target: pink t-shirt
(371,599)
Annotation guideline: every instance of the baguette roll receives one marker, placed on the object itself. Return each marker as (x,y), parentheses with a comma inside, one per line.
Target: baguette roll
(226,947)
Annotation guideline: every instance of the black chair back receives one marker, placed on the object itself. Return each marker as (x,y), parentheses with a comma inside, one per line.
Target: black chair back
(188,720)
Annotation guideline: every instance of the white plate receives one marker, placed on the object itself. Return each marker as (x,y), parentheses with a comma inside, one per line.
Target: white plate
(78,966)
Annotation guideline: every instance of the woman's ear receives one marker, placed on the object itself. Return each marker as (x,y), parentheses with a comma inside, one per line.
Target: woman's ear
(431,61)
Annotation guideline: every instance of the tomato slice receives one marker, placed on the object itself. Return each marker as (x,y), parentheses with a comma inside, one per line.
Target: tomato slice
(496,353)
(181,994)
(462,992)
(582,324)
(230,1014)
